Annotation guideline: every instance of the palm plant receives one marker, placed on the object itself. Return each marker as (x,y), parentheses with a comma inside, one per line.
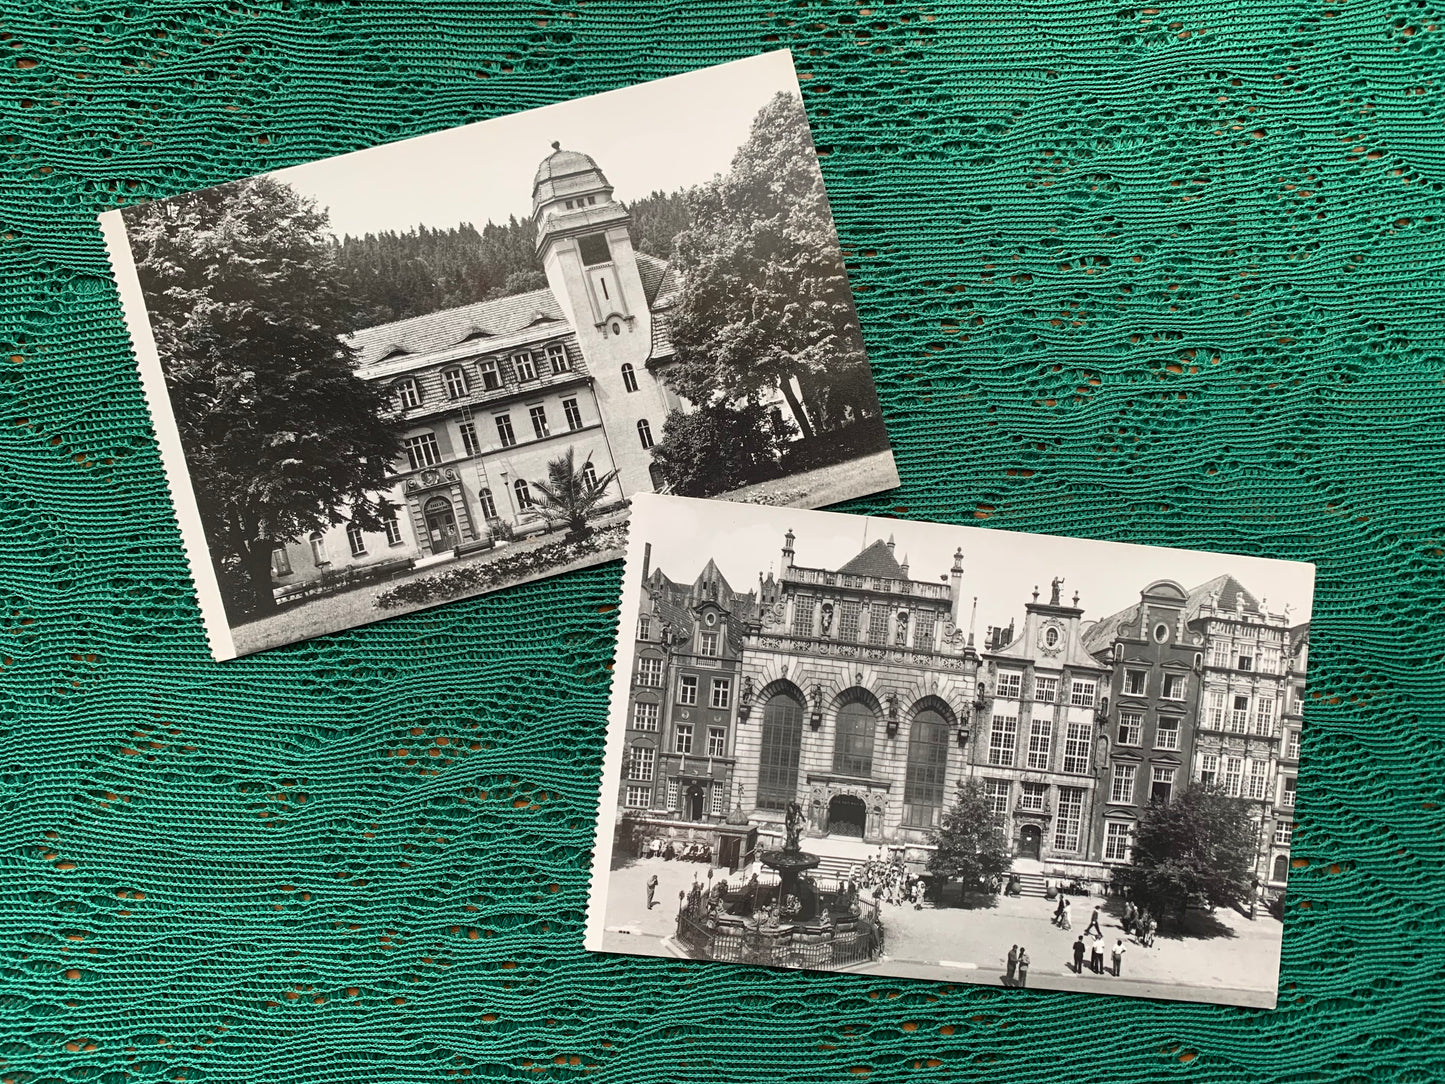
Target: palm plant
(571,495)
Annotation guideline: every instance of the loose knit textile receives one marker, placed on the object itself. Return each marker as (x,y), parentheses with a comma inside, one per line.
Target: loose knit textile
(1162,275)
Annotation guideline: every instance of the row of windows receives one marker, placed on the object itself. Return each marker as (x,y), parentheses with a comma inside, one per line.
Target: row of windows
(1172,686)
(1239,777)
(809,619)
(355,538)
(407,393)
(1068,823)
(1124,778)
(1238,716)
(1003,744)
(1245,656)
(639,796)
(1082,691)
(1167,729)
(422,450)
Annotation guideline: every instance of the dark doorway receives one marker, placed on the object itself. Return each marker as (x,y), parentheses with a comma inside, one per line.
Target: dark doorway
(1031,841)
(694,803)
(1281,867)
(729,853)
(441,524)
(847,816)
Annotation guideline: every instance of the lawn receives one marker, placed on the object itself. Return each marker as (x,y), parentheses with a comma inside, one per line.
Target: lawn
(825,485)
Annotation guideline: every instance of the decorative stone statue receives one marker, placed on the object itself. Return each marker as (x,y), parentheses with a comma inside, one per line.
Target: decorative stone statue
(794,827)
(827,619)
(900,636)
(1057,584)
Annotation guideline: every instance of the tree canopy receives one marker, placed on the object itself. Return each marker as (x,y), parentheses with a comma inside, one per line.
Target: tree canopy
(971,846)
(1201,845)
(280,437)
(718,448)
(765,302)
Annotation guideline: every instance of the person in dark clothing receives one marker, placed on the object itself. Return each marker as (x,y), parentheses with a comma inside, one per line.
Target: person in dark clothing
(1079,955)
(1023,968)
(1013,963)
(1094,923)
(651,891)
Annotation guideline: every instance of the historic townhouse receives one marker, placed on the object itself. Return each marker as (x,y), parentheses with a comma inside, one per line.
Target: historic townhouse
(1291,721)
(684,696)
(858,697)
(489,393)
(1036,753)
(1246,684)
(1157,670)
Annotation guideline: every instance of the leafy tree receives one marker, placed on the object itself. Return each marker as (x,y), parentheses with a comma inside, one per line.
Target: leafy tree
(719,447)
(970,841)
(765,301)
(280,436)
(571,494)
(1200,845)
(657,219)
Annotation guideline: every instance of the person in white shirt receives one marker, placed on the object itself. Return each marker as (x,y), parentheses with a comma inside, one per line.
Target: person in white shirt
(1118,954)
(1096,954)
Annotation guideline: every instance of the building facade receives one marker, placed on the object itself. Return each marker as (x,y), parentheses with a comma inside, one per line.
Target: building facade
(488,394)
(1291,723)
(1157,665)
(1036,754)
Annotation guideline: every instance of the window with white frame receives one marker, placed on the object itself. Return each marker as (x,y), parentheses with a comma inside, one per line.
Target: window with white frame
(280,561)
(470,444)
(644,758)
(1033,797)
(649,672)
(639,797)
(1131,727)
(456,382)
(1041,736)
(538,415)
(673,794)
(707,644)
(573,414)
(687,690)
(997,792)
(1121,788)
(722,692)
(406,394)
(505,433)
(1009,684)
(1269,660)
(1166,732)
(392,527)
(1136,682)
(1233,773)
(1215,713)
(1286,794)
(717,741)
(1245,657)
(682,738)
(1220,653)
(1077,741)
(1046,690)
(1002,740)
(629,377)
(318,549)
(1264,716)
(524,366)
(1257,780)
(1161,785)
(715,802)
(848,614)
(1082,692)
(523,494)
(589,474)
(1116,840)
(422,451)
(489,506)
(491,375)
(803,617)
(1291,744)
(1174,687)
(1209,769)
(1069,819)
(557,358)
(644,627)
(1283,833)
(644,433)
(644,715)
(356,540)
(1239,715)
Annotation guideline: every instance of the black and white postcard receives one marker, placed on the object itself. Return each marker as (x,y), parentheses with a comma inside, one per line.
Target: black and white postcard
(442,366)
(949,753)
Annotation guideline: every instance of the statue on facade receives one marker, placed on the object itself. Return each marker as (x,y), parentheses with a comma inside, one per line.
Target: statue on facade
(900,636)
(794,827)
(827,619)
(1058,585)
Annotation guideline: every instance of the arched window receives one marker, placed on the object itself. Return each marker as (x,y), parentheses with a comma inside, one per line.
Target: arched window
(644,433)
(489,506)
(589,474)
(781,741)
(1281,867)
(853,744)
(356,538)
(927,762)
(406,394)
(524,495)
(629,378)
(318,548)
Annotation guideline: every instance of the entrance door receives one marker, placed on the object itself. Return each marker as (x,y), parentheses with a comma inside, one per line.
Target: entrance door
(694,803)
(441,524)
(1031,838)
(728,852)
(847,816)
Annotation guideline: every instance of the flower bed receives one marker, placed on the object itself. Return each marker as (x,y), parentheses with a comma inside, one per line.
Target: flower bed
(483,576)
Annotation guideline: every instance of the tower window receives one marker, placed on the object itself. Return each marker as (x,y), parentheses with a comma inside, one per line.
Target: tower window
(594,249)
(629,377)
(644,433)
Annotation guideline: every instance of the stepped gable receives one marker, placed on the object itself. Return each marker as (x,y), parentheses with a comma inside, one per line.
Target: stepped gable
(876,560)
(438,331)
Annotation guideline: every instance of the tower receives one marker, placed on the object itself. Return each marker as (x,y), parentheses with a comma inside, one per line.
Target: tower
(591,268)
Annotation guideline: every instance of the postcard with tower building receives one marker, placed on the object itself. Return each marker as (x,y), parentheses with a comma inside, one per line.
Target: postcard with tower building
(442,366)
(950,753)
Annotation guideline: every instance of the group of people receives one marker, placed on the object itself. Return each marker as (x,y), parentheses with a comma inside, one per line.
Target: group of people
(1096,954)
(695,851)
(888,880)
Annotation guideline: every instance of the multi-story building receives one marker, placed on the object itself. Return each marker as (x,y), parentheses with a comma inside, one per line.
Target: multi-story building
(684,695)
(858,697)
(1035,752)
(1157,670)
(1291,722)
(489,393)
(1245,686)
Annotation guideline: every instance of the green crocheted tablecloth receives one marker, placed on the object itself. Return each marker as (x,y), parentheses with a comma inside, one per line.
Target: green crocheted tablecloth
(1160,274)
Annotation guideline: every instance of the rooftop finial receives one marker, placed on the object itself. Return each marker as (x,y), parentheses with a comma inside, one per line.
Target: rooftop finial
(556,145)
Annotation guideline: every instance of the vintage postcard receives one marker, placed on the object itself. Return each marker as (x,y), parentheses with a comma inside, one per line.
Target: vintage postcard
(442,366)
(949,753)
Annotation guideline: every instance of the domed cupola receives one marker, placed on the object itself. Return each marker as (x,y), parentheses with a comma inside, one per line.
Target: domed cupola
(568,181)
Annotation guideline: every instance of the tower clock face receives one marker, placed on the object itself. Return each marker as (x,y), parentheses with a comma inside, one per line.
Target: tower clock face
(1051,638)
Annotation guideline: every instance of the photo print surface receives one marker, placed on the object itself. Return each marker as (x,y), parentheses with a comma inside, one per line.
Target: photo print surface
(442,366)
(844,743)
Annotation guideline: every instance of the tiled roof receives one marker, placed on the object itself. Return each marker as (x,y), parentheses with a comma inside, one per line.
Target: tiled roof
(652,271)
(876,560)
(1230,591)
(1098,635)
(442,330)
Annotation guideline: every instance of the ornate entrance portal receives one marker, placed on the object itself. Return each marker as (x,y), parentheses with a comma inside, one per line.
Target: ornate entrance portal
(847,816)
(441,524)
(1031,839)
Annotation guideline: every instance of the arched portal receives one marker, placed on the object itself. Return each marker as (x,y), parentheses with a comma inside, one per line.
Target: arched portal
(441,524)
(1031,839)
(1281,867)
(782,740)
(847,816)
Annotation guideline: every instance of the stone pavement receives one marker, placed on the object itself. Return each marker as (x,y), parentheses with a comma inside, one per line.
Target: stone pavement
(1240,965)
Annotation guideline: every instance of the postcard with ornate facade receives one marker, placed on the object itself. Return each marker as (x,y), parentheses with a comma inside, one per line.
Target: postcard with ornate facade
(442,366)
(950,753)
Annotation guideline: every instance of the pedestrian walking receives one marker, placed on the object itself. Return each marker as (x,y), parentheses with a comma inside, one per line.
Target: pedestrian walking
(1059,910)
(1118,954)
(1013,963)
(651,891)
(1067,922)
(1079,955)
(1096,954)
(1023,968)
(1094,923)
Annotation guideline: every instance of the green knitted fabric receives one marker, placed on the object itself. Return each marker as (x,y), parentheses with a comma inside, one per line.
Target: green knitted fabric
(1164,275)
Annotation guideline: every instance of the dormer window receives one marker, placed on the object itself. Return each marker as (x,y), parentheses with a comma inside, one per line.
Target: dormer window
(594,249)
(491,376)
(406,394)
(456,382)
(707,644)
(525,366)
(557,358)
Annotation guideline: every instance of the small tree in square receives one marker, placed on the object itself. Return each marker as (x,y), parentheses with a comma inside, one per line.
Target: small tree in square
(970,841)
(1200,846)
(572,494)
